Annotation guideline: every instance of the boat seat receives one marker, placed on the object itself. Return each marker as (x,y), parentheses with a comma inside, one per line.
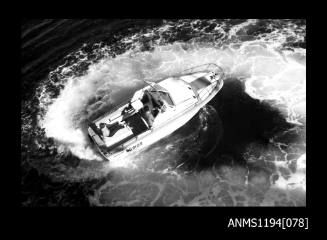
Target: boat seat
(119,135)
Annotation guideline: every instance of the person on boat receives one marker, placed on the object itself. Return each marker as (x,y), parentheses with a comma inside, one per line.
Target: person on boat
(154,101)
(162,106)
(148,116)
(155,111)
(104,130)
(146,99)
(108,130)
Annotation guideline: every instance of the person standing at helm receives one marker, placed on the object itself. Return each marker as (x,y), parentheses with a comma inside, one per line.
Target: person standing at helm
(148,116)
(105,131)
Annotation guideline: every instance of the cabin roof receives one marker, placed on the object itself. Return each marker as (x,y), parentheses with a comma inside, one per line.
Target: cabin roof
(178,89)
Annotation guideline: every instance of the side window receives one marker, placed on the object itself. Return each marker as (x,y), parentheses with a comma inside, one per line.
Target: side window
(167,98)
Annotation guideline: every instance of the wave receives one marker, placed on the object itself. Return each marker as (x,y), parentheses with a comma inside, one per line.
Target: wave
(268,73)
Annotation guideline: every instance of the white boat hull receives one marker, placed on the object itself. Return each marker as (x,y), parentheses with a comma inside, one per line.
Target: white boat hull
(173,119)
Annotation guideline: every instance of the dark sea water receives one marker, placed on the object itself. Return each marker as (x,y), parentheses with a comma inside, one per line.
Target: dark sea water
(247,147)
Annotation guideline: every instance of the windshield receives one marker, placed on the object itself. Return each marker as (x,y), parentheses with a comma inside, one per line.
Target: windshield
(163,96)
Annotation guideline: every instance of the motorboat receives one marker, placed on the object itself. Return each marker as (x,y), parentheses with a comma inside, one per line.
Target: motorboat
(155,111)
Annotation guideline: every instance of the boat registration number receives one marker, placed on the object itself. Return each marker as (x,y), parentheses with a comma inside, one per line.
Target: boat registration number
(134,147)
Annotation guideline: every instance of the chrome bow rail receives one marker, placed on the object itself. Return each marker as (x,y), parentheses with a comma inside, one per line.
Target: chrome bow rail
(212,67)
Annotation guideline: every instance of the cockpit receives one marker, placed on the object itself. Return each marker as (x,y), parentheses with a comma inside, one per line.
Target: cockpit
(138,114)
(153,103)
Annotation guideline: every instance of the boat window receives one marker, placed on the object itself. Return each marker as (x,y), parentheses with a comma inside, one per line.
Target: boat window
(164,96)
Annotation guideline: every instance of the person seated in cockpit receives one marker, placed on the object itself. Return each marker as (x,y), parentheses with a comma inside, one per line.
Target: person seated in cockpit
(104,130)
(155,111)
(162,106)
(154,101)
(146,99)
(148,116)
(108,130)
